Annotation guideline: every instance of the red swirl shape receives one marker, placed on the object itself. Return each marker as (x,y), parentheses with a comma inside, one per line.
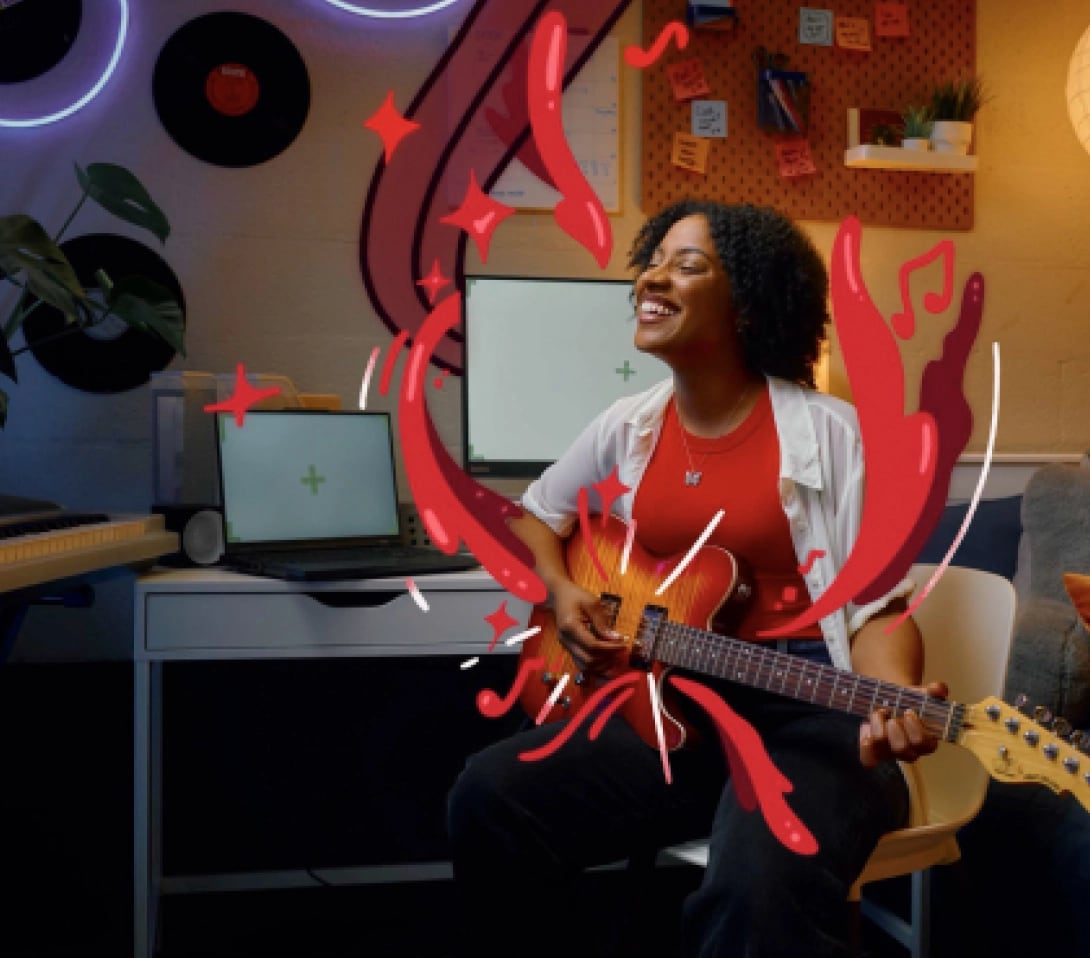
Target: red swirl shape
(580,213)
(401,234)
(641,60)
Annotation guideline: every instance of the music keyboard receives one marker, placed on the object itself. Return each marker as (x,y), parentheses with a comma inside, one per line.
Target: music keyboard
(38,557)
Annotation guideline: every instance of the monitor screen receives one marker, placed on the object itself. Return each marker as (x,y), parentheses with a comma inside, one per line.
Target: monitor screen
(542,358)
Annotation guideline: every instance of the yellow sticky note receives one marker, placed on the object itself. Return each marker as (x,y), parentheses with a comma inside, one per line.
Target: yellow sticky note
(853,33)
(690,152)
(794,158)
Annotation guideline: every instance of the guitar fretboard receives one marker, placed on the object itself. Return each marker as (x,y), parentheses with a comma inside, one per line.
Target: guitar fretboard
(748,663)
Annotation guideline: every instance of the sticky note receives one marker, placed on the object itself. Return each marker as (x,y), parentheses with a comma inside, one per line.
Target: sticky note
(794,158)
(853,33)
(709,118)
(690,152)
(816,26)
(890,19)
(687,79)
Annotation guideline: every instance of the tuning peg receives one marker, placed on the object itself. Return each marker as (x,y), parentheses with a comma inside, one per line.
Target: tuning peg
(1061,727)
(1081,741)
(1042,715)
(1021,700)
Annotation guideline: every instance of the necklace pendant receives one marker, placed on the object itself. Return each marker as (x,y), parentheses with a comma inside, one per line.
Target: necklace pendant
(692,477)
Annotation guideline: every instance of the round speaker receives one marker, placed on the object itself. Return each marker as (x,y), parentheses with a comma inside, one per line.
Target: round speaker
(202,537)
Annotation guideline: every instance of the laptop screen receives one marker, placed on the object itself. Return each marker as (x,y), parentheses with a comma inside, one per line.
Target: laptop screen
(298,476)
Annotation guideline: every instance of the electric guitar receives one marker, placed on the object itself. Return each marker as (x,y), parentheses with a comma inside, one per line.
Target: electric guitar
(681,625)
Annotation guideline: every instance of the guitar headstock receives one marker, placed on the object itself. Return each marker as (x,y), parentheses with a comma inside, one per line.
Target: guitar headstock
(1017,748)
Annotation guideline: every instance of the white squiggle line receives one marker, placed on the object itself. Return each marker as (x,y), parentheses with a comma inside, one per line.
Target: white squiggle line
(551,701)
(704,536)
(627,551)
(658,726)
(418,596)
(365,385)
(469,663)
(992,429)
(522,636)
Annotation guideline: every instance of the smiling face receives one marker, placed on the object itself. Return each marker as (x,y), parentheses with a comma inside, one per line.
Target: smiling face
(683,298)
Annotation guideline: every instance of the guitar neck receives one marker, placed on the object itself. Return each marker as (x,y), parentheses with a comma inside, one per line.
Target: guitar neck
(750,664)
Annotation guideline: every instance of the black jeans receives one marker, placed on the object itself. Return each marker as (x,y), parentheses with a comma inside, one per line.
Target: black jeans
(522,832)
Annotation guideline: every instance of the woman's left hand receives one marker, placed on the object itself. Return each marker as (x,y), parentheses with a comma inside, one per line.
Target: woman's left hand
(905,739)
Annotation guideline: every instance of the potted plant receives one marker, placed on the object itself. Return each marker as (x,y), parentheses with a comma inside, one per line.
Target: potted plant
(954,103)
(32,261)
(916,126)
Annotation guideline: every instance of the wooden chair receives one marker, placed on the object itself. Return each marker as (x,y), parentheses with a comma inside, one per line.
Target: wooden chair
(966,623)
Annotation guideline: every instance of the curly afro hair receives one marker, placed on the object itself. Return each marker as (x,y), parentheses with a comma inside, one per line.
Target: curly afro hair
(778,281)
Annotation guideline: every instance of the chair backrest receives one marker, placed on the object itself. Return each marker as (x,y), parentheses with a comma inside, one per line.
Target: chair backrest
(966,622)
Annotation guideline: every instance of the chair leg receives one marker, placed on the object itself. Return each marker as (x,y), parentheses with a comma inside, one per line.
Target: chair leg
(920,945)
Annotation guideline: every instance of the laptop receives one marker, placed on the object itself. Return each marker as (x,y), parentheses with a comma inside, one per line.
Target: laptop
(311,495)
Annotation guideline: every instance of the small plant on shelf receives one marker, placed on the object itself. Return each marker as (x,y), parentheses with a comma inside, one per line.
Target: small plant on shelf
(916,123)
(957,100)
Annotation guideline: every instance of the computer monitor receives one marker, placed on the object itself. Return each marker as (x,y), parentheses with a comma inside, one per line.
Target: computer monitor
(542,358)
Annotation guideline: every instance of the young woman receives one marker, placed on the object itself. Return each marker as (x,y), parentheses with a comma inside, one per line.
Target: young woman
(733,299)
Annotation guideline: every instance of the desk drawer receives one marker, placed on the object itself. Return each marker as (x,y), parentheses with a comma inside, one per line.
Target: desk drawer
(323,623)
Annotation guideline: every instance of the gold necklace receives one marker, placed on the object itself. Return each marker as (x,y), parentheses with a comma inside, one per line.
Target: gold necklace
(692,474)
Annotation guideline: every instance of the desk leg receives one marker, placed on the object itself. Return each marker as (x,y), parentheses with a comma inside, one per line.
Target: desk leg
(147,804)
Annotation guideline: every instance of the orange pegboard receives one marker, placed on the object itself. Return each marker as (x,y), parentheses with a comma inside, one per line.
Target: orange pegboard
(742,168)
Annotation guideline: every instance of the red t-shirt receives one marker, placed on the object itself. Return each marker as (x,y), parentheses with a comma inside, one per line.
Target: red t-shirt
(739,474)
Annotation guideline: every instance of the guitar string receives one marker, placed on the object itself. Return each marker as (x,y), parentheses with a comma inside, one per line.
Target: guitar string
(936,712)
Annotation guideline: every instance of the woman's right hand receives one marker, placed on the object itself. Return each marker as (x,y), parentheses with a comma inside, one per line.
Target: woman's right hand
(582,621)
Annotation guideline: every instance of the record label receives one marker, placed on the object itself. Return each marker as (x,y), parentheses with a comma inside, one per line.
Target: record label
(231,89)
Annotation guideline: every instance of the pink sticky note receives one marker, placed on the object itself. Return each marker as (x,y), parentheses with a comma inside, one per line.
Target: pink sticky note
(890,19)
(687,79)
(853,33)
(794,158)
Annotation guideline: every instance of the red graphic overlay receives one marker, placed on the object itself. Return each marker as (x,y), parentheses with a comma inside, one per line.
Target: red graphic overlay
(609,490)
(390,125)
(904,323)
(640,60)
(500,620)
(608,712)
(433,282)
(491,705)
(232,89)
(584,527)
(479,215)
(390,361)
(242,398)
(580,213)
(811,557)
(452,506)
(755,777)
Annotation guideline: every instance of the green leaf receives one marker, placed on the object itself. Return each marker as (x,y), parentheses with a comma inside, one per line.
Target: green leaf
(116,189)
(7,361)
(145,305)
(26,248)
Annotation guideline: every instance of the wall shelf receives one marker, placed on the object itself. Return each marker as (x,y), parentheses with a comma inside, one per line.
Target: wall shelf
(868,157)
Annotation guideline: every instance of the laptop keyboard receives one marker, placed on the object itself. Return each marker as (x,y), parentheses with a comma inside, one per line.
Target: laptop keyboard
(366,560)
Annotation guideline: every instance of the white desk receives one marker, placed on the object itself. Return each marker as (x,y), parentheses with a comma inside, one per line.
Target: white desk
(210,614)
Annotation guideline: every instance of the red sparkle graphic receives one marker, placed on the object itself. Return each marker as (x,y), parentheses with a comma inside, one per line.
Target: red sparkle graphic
(755,777)
(639,60)
(479,215)
(580,213)
(437,382)
(242,398)
(609,490)
(389,124)
(433,282)
(500,620)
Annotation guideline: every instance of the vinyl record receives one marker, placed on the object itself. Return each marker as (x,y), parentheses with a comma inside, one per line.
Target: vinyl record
(35,35)
(231,89)
(111,357)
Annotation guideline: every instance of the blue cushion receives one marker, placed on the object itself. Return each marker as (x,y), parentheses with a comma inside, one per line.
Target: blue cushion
(991,543)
